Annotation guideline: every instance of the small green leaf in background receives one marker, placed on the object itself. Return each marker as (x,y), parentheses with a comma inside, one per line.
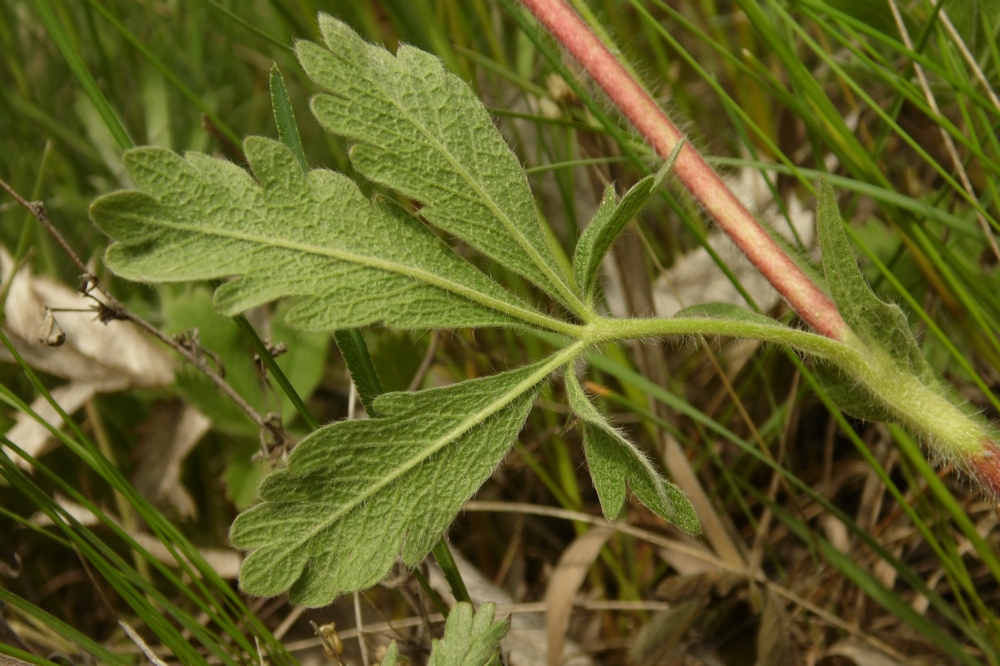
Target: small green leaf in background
(608,223)
(391,657)
(243,474)
(471,638)
(303,363)
(358,494)
(397,356)
(310,235)
(615,461)
(421,131)
(190,309)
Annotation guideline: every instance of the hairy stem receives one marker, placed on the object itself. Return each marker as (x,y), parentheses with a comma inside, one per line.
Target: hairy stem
(951,433)
(638,106)
(840,352)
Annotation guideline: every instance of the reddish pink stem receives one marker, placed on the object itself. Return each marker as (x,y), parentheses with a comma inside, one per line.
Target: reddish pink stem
(698,177)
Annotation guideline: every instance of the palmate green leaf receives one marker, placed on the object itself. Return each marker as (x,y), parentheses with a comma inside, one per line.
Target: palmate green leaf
(421,131)
(611,218)
(358,494)
(290,233)
(471,638)
(880,325)
(615,461)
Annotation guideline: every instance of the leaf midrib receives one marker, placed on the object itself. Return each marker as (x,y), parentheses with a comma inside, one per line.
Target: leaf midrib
(528,316)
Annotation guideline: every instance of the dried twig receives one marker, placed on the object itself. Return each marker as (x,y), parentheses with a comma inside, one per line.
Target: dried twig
(112,309)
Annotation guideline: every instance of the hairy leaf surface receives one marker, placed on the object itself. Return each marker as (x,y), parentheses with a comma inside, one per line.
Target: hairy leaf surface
(421,131)
(358,494)
(290,233)
(879,324)
(615,461)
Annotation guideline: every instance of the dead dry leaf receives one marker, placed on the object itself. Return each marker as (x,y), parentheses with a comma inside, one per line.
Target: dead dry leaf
(93,351)
(166,438)
(700,587)
(712,524)
(719,616)
(564,584)
(774,644)
(77,512)
(95,357)
(861,654)
(226,562)
(692,557)
(33,437)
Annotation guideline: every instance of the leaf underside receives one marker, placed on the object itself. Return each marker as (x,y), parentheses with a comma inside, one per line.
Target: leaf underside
(421,131)
(879,324)
(358,494)
(292,234)
(614,461)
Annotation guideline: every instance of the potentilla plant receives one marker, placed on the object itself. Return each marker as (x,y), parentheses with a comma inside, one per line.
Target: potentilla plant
(357,495)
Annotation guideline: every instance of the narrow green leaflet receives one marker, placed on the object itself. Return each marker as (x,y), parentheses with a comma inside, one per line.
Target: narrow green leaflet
(611,218)
(290,233)
(613,461)
(359,362)
(471,638)
(421,131)
(879,324)
(358,494)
